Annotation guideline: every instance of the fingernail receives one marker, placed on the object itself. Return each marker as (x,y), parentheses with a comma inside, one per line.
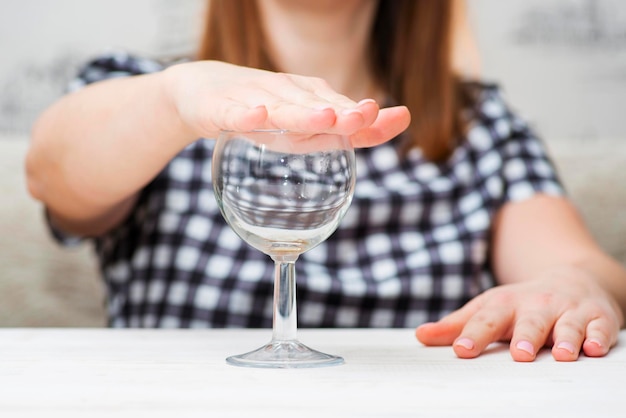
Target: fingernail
(594,341)
(348,112)
(567,346)
(525,346)
(364,101)
(465,343)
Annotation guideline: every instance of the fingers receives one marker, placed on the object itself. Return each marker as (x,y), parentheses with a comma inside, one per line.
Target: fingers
(209,96)
(282,114)
(489,324)
(469,330)
(295,117)
(569,334)
(439,333)
(320,93)
(531,325)
(571,313)
(532,330)
(592,332)
(389,123)
(309,104)
(535,325)
(446,330)
(365,124)
(297,103)
(242,118)
(602,334)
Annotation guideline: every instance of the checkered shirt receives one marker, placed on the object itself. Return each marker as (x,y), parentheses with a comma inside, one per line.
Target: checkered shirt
(413,246)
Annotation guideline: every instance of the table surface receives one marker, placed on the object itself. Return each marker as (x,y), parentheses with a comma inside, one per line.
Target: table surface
(387,373)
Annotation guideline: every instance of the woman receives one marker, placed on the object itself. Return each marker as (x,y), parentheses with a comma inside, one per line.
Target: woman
(458,219)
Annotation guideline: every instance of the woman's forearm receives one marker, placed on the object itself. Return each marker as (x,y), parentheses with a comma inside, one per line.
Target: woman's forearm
(525,248)
(610,274)
(94,149)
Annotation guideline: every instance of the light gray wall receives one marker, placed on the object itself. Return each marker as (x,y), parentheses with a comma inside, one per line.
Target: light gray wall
(43,41)
(561,62)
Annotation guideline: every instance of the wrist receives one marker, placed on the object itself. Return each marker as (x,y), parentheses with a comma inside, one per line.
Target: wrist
(169,92)
(609,275)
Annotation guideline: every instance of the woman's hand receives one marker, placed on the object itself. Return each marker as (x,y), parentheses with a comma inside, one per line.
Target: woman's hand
(93,150)
(563,308)
(210,96)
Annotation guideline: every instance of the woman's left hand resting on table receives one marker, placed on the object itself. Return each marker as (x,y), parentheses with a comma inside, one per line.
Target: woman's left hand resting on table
(555,290)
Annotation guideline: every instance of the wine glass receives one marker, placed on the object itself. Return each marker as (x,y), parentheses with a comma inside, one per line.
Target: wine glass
(283,192)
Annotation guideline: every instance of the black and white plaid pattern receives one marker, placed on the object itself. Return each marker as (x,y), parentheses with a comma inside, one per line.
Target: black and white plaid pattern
(282,190)
(412,247)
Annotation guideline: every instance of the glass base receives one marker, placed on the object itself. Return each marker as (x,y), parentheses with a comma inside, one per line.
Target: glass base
(284,355)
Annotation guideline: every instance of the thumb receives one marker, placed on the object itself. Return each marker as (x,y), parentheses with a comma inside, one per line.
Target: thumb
(447,329)
(390,122)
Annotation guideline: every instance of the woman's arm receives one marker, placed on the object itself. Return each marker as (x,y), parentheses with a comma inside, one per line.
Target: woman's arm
(93,150)
(557,288)
(581,297)
(525,247)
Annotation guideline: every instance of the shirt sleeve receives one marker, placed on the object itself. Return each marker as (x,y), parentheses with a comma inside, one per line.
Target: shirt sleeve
(103,67)
(113,65)
(512,160)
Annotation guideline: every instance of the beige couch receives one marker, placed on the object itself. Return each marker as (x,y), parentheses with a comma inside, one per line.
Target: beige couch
(44,285)
(40,283)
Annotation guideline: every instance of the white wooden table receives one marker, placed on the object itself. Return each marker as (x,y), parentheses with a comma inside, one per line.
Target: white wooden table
(180,373)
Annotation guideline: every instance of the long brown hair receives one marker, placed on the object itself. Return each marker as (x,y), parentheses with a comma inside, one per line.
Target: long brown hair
(411,42)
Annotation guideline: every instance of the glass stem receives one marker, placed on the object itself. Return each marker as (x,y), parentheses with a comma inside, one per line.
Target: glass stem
(285,317)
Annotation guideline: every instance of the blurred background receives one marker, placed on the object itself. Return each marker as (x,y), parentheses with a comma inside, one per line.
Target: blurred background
(562,64)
